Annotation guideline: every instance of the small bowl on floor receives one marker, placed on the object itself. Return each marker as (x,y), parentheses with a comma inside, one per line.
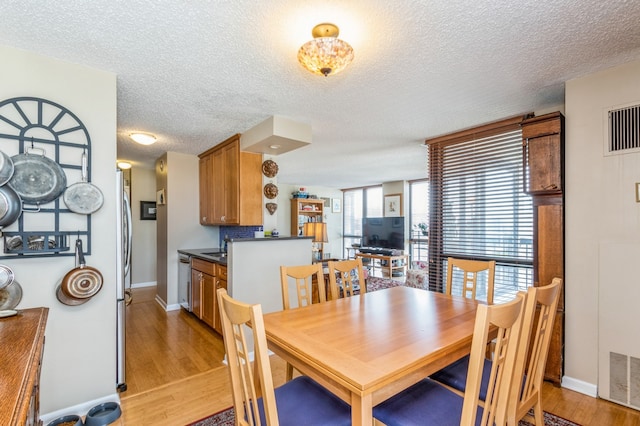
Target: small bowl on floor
(71,420)
(103,414)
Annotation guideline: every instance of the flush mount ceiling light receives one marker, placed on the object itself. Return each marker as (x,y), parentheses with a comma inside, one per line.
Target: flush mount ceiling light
(326,53)
(123,165)
(143,138)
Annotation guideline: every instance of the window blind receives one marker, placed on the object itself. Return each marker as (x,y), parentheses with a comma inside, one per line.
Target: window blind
(479,209)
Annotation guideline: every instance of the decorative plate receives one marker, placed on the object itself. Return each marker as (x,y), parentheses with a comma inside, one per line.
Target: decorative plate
(270,191)
(271,207)
(269,168)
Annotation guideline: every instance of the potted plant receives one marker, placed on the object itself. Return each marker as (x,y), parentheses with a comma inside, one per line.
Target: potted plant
(423,227)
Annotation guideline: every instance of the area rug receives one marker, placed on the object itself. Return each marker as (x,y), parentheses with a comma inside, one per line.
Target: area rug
(226,418)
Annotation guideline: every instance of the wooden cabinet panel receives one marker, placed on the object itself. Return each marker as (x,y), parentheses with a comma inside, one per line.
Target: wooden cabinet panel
(208,299)
(543,150)
(221,282)
(543,159)
(205,175)
(233,182)
(196,285)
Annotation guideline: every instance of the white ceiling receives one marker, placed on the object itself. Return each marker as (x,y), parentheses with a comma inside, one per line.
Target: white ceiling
(196,72)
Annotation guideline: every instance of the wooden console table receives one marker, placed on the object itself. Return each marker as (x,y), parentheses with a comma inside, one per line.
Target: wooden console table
(393,263)
(21,347)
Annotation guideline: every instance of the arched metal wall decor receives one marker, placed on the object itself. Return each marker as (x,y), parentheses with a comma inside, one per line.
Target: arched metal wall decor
(47,229)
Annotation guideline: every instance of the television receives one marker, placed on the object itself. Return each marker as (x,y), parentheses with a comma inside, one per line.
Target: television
(386,233)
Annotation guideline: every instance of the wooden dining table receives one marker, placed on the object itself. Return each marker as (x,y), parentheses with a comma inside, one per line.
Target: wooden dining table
(368,347)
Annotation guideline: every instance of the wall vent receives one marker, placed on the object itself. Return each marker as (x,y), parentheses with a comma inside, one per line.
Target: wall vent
(624,379)
(623,130)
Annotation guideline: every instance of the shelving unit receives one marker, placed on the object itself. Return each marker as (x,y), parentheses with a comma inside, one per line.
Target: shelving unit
(305,210)
(388,266)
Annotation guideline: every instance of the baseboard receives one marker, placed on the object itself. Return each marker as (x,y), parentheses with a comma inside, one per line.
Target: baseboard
(588,389)
(80,409)
(147,284)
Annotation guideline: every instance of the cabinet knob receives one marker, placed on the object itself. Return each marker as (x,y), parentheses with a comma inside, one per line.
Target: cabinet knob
(204,218)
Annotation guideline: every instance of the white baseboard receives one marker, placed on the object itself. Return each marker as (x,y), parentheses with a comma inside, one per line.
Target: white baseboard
(173,307)
(147,284)
(588,389)
(80,409)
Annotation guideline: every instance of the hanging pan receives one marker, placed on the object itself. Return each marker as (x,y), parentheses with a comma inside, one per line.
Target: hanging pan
(83,197)
(37,178)
(6,168)
(10,206)
(82,282)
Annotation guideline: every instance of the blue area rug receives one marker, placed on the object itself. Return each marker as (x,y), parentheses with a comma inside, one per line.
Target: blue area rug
(226,418)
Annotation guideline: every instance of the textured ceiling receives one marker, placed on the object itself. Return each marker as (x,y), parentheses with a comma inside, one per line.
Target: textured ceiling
(195,72)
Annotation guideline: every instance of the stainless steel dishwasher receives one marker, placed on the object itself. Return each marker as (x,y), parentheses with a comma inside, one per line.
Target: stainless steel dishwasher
(184,281)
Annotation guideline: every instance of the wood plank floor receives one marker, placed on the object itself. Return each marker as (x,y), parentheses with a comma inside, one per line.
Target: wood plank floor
(175,375)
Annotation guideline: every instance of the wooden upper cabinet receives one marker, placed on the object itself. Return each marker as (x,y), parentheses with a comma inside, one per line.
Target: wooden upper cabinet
(543,151)
(230,185)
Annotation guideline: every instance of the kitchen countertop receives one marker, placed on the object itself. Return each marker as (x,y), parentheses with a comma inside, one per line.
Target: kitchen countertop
(217,255)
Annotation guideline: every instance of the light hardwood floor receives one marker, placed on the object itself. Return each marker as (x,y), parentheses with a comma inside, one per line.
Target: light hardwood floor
(175,374)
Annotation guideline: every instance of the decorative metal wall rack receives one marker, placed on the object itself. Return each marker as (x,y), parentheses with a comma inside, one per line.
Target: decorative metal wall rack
(49,229)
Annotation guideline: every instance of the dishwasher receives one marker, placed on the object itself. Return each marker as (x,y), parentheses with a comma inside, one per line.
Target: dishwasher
(184,281)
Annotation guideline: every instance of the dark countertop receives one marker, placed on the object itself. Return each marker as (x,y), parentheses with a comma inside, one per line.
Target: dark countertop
(216,255)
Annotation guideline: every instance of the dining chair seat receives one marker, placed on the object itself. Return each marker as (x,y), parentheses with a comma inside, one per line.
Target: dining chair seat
(425,403)
(455,376)
(302,401)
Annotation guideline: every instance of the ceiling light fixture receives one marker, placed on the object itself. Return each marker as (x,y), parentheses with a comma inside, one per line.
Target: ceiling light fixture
(124,165)
(143,138)
(326,53)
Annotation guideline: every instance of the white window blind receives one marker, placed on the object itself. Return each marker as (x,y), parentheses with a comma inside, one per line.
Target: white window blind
(480,211)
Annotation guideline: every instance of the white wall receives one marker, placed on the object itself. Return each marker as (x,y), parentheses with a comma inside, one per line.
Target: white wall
(80,351)
(143,250)
(600,206)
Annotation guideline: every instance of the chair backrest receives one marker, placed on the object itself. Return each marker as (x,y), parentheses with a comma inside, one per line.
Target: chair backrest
(470,270)
(506,319)
(542,303)
(235,317)
(350,274)
(302,277)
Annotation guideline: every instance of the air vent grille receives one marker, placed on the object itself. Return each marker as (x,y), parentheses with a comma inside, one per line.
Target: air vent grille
(624,130)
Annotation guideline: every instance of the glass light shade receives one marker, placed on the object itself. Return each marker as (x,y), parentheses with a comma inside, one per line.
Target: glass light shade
(317,230)
(124,165)
(325,55)
(143,138)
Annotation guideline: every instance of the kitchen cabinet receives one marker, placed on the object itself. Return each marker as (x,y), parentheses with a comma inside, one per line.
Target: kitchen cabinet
(543,142)
(230,185)
(221,282)
(543,150)
(206,279)
(305,210)
(22,338)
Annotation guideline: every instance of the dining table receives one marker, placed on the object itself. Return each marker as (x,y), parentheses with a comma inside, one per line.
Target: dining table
(369,347)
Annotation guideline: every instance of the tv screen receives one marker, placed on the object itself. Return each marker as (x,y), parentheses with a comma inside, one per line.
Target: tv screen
(383,232)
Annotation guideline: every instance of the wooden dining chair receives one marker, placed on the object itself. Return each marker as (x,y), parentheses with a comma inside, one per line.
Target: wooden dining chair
(346,278)
(540,309)
(429,403)
(302,277)
(470,270)
(255,400)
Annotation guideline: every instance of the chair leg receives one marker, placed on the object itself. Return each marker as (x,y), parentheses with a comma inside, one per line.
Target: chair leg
(289,374)
(538,413)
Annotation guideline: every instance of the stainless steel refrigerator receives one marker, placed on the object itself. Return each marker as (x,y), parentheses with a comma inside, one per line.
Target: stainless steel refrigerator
(123,258)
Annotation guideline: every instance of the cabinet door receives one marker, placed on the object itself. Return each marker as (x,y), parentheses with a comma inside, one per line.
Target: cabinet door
(217,192)
(217,323)
(206,185)
(232,183)
(543,143)
(196,307)
(208,298)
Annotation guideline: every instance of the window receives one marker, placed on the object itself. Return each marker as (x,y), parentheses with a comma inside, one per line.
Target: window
(359,203)
(479,208)
(419,220)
